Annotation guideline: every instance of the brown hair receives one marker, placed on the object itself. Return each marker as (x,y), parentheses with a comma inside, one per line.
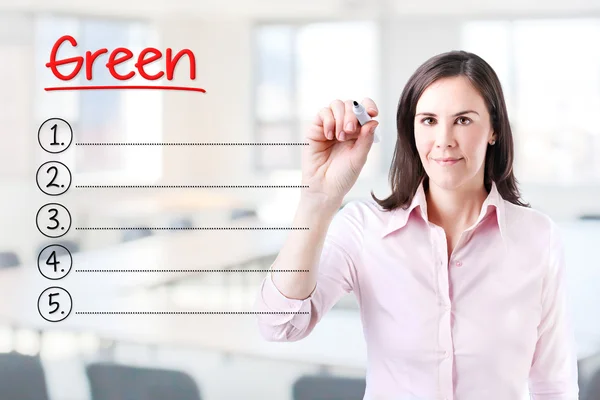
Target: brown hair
(406,171)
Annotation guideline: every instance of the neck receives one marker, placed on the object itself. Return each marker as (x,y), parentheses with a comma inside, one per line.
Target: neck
(455,209)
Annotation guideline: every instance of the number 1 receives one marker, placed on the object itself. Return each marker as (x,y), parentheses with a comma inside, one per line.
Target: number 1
(54,142)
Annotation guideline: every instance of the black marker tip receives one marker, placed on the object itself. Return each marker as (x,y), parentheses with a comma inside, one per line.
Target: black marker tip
(355,103)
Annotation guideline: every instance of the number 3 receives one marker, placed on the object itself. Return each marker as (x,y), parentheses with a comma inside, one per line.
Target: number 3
(53,218)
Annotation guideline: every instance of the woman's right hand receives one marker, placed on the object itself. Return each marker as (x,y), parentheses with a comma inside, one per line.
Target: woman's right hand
(337,150)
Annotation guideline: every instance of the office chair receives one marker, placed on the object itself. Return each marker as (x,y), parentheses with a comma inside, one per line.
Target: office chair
(240,213)
(181,223)
(589,377)
(136,234)
(328,388)
(591,391)
(9,259)
(71,245)
(22,377)
(110,381)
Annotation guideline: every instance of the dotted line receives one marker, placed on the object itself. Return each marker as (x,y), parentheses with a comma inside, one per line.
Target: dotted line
(187,228)
(192,144)
(191,270)
(191,186)
(187,312)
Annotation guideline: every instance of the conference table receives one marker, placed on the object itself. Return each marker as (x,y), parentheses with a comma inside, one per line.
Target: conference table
(167,253)
(143,205)
(96,293)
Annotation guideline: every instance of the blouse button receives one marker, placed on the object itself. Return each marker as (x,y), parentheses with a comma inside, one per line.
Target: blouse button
(459,264)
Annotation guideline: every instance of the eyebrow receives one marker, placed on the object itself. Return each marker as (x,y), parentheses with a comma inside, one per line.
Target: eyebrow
(455,115)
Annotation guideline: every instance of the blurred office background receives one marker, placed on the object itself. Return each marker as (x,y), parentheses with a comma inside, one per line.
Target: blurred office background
(267,66)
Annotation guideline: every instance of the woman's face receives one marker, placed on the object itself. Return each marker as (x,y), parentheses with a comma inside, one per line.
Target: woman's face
(452,122)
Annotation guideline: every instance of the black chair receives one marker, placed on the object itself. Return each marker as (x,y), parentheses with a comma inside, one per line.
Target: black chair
(9,259)
(22,377)
(591,391)
(181,223)
(590,217)
(70,245)
(328,388)
(589,377)
(240,213)
(136,234)
(110,381)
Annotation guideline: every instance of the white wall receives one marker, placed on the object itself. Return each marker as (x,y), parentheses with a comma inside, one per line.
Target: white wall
(16,53)
(222,114)
(18,133)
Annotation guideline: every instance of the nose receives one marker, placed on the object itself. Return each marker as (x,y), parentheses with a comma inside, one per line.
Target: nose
(444,136)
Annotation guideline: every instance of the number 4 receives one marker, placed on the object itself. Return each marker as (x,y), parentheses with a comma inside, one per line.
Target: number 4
(52,260)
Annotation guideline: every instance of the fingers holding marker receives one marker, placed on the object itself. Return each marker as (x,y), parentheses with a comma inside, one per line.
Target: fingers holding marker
(328,122)
(348,122)
(337,108)
(345,120)
(370,106)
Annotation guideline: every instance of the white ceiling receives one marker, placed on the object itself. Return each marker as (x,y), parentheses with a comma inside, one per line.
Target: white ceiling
(305,8)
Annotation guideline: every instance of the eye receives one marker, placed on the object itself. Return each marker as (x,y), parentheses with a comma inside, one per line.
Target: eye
(466,120)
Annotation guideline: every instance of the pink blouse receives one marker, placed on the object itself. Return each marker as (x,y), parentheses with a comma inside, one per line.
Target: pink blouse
(488,323)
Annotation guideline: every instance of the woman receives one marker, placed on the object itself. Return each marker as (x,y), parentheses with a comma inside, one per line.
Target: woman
(461,286)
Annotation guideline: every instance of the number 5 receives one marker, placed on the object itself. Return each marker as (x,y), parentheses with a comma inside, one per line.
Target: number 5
(51,303)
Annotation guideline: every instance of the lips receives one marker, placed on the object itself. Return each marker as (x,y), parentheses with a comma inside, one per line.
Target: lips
(447,161)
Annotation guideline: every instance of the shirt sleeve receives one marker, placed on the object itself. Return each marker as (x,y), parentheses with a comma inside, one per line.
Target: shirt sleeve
(287,319)
(553,374)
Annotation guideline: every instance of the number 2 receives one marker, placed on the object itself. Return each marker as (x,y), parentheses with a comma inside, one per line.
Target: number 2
(54,178)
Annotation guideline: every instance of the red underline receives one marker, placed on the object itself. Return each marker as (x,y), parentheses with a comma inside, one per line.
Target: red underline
(185,88)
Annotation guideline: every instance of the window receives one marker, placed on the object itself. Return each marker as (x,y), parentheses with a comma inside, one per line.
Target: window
(299,70)
(101,115)
(551,78)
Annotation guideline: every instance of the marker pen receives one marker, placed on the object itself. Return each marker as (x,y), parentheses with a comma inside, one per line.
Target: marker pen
(363,117)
